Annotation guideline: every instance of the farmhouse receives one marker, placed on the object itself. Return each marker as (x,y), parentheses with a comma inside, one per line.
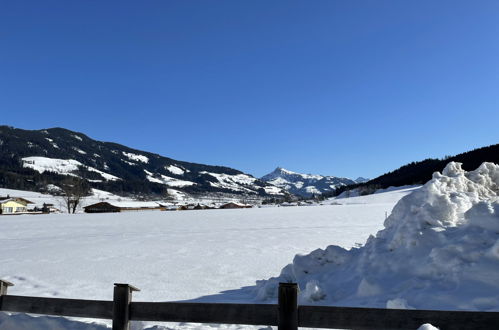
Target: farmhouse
(13,205)
(104,207)
(202,207)
(233,205)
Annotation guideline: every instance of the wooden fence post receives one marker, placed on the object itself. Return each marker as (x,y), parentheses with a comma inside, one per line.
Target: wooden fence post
(3,290)
(122,298)
(3,287)
(288,306)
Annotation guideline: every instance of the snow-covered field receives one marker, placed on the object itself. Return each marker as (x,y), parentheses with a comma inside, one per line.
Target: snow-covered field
(437,249)
(179,255)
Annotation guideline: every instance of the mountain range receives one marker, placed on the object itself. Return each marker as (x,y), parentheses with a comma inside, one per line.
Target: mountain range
(37,159)
(306,185)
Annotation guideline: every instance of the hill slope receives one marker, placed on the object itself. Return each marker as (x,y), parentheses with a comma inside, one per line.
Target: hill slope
(420,172)
(32,159)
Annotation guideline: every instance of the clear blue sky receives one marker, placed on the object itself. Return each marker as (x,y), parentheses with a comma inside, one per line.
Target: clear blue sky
(347,88)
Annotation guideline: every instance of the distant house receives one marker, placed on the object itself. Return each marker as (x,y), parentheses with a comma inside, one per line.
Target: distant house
(49,208)
(203,207)
(233,205)
(13,205)
(106,207)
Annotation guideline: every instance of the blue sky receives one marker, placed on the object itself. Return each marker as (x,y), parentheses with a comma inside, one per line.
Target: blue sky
(347,88)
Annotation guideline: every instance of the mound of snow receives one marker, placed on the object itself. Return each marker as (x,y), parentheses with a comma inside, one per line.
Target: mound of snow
(439,250)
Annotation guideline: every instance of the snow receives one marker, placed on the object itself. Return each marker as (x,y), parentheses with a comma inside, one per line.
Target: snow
(42,164)
(129,163)
(80,151)
(105,175)
(381,196)
(177,195)
(232,182)
(52,143)
(312,190)
(355,192)
(61,166)
(101,194)
(28,322)
(305,176)
(175,169)
(427,326)
(166,180)
(272,190)
(77,137)
(171,255)
(440,241)
(135,204)
(132,156)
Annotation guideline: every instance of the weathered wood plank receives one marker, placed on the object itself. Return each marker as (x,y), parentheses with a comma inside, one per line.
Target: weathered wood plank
(391,319)
(205,313)
(4,285)
(58,306)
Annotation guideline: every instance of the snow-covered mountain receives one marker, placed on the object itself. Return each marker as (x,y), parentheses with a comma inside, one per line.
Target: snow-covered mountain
(305,184)
(33,159)
(361,180)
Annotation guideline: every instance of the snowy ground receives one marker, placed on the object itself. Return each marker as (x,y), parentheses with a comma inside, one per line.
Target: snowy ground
(439,249)
(174,255)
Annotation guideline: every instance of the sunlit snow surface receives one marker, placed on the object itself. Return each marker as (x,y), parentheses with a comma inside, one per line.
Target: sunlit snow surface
(439,250)
(179,255)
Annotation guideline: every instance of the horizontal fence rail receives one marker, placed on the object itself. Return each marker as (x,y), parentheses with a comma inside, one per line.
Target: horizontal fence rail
(205,313)
(56,306)
(287,315)
(392,319)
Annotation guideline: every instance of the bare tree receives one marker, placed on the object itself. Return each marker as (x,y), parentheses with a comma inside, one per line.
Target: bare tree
(74,190)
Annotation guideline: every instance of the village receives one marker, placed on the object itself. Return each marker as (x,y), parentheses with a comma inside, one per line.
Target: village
(19,205)
(15,205)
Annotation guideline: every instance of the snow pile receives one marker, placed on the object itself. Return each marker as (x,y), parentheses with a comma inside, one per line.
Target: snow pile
(439,250)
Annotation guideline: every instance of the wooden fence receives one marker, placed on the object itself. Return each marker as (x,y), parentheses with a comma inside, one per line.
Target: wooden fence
(287,315)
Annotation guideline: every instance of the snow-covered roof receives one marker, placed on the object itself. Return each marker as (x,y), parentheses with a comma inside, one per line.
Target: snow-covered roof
(15,199)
